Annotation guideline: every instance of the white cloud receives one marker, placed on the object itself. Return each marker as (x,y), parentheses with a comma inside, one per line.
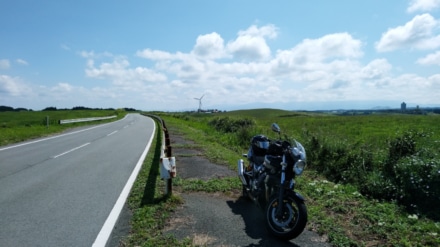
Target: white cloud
(155,54)
(270,31)
(249,48)
(376,69)
(22,61)
(251,44)
(430,59)
(338,45)
(419,33)
(320,63)
(12,86)
(327,68)
(5,64)
(65,47)
(62,87)
(209,46)
(422,5)
(87,54)
(93,55)
(422,90)
(119,72)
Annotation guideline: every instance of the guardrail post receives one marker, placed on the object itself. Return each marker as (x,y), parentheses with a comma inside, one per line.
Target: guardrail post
(168,163)
(172,172)
(167,140)
(170,179)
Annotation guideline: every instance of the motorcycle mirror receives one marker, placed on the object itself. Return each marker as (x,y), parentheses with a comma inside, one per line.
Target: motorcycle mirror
(276,128)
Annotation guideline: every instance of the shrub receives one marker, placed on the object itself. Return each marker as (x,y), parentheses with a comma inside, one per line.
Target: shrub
(407,175)
(340,161)
(417,184)
(376,185)
(230,125)
(398,148)
(244,136)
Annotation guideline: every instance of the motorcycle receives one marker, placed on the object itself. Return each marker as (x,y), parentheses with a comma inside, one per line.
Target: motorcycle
(268,180)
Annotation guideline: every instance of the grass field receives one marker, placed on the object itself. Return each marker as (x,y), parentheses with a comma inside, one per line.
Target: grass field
(338,207)
(25,125)
(372,129)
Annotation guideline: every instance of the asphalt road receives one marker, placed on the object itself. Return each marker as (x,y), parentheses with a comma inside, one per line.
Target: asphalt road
(60,191)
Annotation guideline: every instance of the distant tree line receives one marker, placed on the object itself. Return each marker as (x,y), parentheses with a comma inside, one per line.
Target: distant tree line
(52,108)
(8,108)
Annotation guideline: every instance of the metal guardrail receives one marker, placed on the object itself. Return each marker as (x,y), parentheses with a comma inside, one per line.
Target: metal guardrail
(168,162)
(78,120)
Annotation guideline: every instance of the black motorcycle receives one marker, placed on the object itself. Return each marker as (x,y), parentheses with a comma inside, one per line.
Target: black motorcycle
(268,180)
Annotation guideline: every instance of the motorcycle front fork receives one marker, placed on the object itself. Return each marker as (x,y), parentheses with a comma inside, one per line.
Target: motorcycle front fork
(279,210)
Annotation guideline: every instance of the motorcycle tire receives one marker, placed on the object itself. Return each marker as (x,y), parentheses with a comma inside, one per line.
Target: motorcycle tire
(293,218)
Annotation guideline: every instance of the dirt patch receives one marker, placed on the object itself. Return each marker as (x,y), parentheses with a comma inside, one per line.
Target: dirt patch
(185,152)
(191,163)
(179,140)
(199,167)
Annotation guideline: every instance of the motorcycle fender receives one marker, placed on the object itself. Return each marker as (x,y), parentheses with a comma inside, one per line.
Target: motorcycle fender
(298,196)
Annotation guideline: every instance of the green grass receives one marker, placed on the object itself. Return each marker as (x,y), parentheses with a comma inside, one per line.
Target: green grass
(373,129)
(337,210)
(348,218)
(25,125)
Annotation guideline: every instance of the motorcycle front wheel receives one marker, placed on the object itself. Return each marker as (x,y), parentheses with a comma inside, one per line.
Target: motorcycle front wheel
(290,222)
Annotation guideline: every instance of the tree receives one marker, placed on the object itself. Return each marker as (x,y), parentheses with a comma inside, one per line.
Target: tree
(50,108)
(6,108)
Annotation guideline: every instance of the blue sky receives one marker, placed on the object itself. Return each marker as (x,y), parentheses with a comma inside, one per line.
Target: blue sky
(239,54)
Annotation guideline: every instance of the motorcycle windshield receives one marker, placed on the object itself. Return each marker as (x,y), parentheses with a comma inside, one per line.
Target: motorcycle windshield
(302,151)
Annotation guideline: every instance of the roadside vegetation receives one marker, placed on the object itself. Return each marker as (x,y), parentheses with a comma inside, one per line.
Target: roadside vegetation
(371,180)
(19,125)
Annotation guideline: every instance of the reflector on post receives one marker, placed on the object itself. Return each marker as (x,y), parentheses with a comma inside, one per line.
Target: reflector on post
(173,170)
(168,168)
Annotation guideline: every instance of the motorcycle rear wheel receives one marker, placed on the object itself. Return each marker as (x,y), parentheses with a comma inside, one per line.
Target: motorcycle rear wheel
(292,220)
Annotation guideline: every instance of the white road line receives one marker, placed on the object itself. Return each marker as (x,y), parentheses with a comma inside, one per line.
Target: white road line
(110,222)
(114,132)
(71,150)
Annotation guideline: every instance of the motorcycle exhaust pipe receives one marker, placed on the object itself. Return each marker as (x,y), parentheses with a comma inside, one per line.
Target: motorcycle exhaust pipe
(241,171)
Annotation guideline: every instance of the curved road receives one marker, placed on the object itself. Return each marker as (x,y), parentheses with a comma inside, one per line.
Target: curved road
(67,190)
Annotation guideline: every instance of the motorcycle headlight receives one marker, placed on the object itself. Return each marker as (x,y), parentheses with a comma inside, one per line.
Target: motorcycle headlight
(299,166)
(299,154)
